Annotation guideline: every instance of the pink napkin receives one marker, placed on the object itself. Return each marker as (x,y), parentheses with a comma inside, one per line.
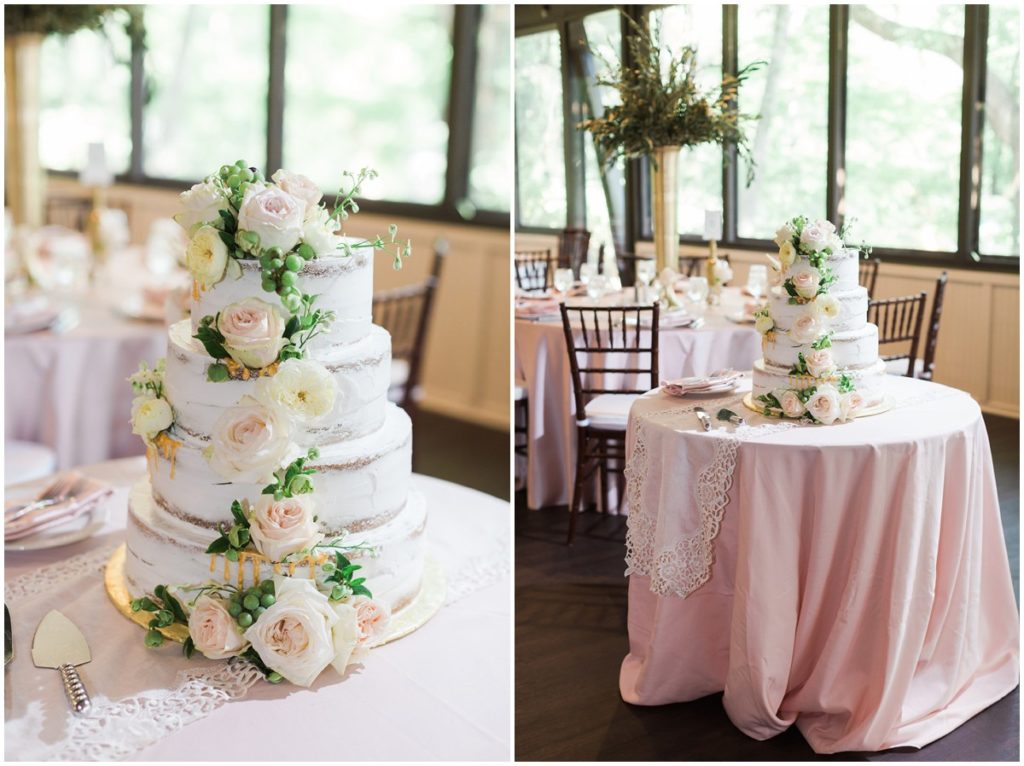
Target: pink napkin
(533,308)
(88,493)
(700,384)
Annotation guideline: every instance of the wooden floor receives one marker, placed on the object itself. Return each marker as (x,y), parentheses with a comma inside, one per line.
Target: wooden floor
(571,637)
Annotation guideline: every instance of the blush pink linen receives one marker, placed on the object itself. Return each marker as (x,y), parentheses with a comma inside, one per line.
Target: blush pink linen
(860,587)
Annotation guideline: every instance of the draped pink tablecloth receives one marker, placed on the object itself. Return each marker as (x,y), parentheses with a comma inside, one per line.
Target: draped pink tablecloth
(543,363)
(69,390)
(853,579)
(441,693)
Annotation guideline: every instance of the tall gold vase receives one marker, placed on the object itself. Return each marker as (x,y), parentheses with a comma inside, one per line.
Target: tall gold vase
(664,196)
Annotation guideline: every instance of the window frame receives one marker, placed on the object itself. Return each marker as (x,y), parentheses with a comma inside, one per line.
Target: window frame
(638,203)
(458,109)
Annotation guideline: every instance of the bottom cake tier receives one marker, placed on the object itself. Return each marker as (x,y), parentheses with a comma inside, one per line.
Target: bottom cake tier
(164,550)
(867,381)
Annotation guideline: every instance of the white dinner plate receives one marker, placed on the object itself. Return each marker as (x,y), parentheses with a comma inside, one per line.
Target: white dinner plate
(136,307)
(73,531)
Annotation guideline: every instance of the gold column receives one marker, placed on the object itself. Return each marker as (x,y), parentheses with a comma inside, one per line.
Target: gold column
(24,176)
(664,203)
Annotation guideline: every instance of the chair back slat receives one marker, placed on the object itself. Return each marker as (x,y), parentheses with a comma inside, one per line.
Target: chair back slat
(533,269)
(932,339)
(592,334)
(899,320)
(573,245)
(869,275)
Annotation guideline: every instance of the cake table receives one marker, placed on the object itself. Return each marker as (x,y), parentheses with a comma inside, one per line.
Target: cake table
(441,694)
(851,579)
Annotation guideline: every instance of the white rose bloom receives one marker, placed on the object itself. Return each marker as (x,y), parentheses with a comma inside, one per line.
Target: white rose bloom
(294,636)
(824,404)
(281,527)
(816,236)
(206,256)
(253,332)
(274,214)
(201,204)
(299,187)
(820,363)
(849,404)
(835,243)
(806,283)
(345,637)
(792,407)
(787,255)
(302,389)
(723,272)
(249,442)
(784,234)
(320,234)
(763,323)
(150,416)
(827,305)
(214,631)
(806,328)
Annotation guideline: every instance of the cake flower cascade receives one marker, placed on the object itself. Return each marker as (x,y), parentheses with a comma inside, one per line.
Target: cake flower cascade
(820,354)
(292,468)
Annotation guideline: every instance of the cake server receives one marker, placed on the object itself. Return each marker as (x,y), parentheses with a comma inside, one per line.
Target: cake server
(702,415)
(59,644)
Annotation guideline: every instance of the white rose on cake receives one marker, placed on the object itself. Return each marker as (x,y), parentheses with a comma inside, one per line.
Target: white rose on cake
(835,243)
(827,305)
(253,332)
(790,402)
(299,187)
(816,236)
(249,442)
(763,323)
(206,256)
(787,255)
(806,328)
(320,233)
(806,283)
(281,527)
(150,416)
(274,214)
(819,363)
(302,389)
(849,404)
(294,636)
(824,404)
(784,234)
(201,204)
(214,631)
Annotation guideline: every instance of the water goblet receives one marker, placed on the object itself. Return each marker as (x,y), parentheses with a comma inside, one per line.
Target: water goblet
(563,281)
(757,280)
(587,270)
(596,286)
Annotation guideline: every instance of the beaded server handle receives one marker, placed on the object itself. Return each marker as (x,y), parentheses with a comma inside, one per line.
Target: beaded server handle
(74,688)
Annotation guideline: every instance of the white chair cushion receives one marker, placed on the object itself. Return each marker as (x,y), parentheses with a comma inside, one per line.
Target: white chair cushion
(399,373)
(610,410)
(899,367)
(24,461)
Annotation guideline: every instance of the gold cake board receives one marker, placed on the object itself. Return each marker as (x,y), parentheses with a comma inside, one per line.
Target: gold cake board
(878,409)
(416,614)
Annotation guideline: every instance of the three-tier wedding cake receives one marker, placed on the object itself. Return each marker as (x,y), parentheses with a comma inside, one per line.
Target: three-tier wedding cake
(277,520)
(820,352)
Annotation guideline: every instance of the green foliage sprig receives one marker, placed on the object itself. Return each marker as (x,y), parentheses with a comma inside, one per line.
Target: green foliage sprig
(772,406)
(303,327)
(166,612)
(845,384)
(147,380)
(342,574)
(294,478)
(800,368)
(825,341)
(666,107)
(234,539)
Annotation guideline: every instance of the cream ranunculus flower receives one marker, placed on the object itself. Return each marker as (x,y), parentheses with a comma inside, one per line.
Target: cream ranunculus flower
(824,404)
(249,442)
(214,631)
(150,416)
(819,363)
(281,527)
(849,404)
(827,305)
(299,187)
(806,328)
(301,388)
(253,332)
(784,234)
(787,255)
(274,214)
(763,323)
(294,636)
(806,283)
(201,204)
(792,407)
(816,236)
(206,256)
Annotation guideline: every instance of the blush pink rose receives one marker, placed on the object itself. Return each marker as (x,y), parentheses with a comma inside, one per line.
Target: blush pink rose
(214,631)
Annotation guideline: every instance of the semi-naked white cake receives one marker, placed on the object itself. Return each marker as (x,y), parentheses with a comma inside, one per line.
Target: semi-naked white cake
(820,353)
(273,452)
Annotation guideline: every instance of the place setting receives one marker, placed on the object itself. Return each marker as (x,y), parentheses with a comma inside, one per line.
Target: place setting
(70,509)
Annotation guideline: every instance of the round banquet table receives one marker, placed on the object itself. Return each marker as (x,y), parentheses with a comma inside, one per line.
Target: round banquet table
(442,693)
(69,390)
(542,361)
(851,579)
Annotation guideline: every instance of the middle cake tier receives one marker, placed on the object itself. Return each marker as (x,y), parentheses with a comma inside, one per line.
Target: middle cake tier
(360,483)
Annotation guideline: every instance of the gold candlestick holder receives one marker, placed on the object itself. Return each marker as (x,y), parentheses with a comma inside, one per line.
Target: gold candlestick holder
(711,273)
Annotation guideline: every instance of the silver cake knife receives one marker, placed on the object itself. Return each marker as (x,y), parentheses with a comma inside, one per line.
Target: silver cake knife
(703,417)
(59,644)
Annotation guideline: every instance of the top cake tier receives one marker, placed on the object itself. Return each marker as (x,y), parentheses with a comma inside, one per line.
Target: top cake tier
(843,263)
(343,283)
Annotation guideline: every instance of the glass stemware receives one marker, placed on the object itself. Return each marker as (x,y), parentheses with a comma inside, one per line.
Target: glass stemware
(697,289)
(563,280)
(757,280)
(596,286)
(587,271)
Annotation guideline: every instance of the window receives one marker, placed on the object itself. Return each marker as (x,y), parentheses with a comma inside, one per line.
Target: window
(790,140)
(903,125)
(539,139)
(700,167)
(386,114)
(489,166)
(207,69)
(999,232)
(84,98)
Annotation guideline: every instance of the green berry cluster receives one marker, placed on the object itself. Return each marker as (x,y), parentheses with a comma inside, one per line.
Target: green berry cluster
(281,273)
(247,606)
(237,179)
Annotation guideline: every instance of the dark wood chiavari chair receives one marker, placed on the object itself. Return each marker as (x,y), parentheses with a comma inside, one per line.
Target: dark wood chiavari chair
(601,342)
(693,265)
(534,269)
(573,245)
(899,321)
(927,369)
(405,313)
(69,212)
(869,275)
(626,263)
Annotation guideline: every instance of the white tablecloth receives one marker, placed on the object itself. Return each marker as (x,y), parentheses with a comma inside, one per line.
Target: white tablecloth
(69,391)
(543,363)
(851,579)
(442,693)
